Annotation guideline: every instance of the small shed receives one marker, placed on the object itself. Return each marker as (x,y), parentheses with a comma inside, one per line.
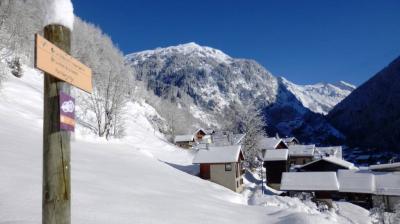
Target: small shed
(222,165)
(327,164)
(357,187)
(324,184)
(184,141)
(301,154)
(275,162)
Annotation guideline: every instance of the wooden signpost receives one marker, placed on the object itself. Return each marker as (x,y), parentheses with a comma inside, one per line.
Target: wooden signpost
(56,62)
(52,57)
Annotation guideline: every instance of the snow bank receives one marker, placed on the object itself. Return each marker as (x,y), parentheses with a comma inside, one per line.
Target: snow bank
(59,12)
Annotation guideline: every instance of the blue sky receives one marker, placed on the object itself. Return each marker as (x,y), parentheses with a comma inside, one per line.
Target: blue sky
(305,41)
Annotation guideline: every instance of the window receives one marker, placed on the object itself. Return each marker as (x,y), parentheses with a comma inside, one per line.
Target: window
(228,167)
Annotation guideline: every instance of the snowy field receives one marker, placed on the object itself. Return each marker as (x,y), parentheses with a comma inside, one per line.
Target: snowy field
(138,179)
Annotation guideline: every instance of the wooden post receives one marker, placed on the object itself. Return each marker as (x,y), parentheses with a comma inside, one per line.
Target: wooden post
(56,192)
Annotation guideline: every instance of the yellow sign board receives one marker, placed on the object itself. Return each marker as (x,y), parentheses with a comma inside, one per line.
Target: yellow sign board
(56,62)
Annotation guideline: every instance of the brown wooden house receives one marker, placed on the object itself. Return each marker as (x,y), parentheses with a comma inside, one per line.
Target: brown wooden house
(275,163)
(327,164)
(301,154)
(184,141)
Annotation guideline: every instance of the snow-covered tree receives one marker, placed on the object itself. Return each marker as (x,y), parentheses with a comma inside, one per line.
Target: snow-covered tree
(103,111)
(252,124)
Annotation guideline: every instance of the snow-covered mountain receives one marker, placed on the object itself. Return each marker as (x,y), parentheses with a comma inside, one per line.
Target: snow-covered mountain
(320,97)
(210,83)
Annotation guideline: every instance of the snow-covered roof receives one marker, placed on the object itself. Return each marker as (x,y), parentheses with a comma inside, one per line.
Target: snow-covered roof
(309,181)
(301,150)
(269,143)
(184,138)
(387,183)
(218,154)
(331,150)
(276,155)
(356,181)
(389,166)
(200,129)
(334,160)
(220,140)
(290,139)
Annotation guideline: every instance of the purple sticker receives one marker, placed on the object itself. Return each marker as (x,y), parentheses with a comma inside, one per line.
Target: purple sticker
(67,112)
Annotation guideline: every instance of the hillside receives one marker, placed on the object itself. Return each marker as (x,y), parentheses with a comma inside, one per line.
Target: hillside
(215,88)
(121,181)
(370,116)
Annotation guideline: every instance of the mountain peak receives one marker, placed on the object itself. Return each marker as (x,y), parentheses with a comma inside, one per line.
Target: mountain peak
(190,49)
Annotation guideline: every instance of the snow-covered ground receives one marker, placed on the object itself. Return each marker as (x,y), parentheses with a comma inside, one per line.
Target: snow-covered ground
(138,179)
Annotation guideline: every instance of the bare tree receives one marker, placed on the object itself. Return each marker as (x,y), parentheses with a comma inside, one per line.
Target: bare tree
(252,124)
(103,111)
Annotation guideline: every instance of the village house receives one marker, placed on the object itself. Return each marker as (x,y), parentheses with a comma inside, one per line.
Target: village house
(324,185)
(301,154)
(327,164)
(199,134)
(267,143)
(275,163)
(357,187)
(222,165)
(270,143)
(291,141)
(184,141)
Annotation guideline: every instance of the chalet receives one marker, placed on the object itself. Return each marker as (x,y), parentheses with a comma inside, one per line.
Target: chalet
(199,134)
(335,151)
(357,187)
(301,154)
(184,141)
(390,167)
(222,165)
(271,143)
(387,190)
(275,163)
(291,141)
(323,184)
(327,164)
